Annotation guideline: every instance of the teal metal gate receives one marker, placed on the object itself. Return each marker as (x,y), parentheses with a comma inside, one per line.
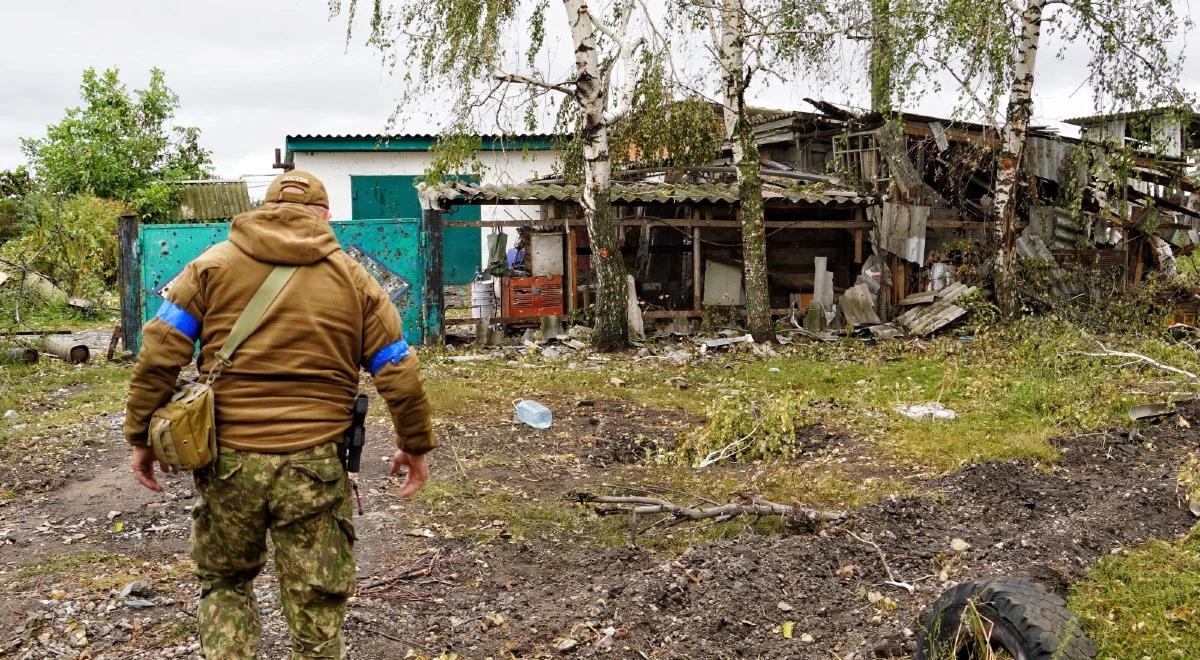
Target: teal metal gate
(393,250)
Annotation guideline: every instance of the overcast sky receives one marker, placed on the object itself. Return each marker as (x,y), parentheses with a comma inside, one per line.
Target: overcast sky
(250,72)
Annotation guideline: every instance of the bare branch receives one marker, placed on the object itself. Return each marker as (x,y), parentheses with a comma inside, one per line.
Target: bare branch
(1139,358)
(626,51)
(754,507)
(892,581)
(506,77)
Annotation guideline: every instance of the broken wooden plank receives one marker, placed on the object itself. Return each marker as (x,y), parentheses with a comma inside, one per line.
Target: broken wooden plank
(923,321)
(920,298)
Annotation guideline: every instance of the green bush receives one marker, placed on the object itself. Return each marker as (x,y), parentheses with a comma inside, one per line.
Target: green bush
(71,240)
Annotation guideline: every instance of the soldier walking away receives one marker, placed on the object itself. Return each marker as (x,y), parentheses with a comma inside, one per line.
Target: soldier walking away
(282,405)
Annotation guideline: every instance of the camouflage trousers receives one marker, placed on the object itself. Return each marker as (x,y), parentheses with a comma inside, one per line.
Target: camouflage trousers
(302,499)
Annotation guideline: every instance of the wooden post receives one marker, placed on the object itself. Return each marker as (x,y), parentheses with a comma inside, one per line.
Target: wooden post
(858,237)
(435,287)
(130,275)
(697,272)
(572,271)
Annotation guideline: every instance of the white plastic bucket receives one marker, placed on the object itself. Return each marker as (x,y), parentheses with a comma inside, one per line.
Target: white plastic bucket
(483,303)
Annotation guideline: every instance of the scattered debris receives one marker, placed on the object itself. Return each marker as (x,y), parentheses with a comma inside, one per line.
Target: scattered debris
(11,414)
(858,305)
(138,589)
(66,349)
(636,505)
(706,344)
(474,357)
(19,356)
(1144,411)
(933,410)
(924,320)
(886,331)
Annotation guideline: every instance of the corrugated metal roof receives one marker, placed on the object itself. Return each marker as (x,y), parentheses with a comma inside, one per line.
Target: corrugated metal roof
(645,192)
(1147,112)
(414,136)
(211,200)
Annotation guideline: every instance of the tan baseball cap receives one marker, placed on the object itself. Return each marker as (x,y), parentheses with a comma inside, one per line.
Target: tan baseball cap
(314,191)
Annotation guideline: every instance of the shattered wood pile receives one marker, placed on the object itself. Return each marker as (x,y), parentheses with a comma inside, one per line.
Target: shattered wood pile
(931,313)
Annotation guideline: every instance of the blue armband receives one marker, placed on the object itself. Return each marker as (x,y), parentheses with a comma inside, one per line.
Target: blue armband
(393,353)
(179,318)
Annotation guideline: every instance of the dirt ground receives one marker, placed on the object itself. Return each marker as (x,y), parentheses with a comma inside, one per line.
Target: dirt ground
(75,535)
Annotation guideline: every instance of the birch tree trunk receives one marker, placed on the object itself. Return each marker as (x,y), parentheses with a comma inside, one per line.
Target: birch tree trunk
(740,134)
(1016,126)
(608,266)
(882,56)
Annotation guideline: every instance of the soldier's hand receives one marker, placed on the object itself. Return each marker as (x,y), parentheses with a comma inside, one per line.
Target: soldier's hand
(418,472)
(142,464)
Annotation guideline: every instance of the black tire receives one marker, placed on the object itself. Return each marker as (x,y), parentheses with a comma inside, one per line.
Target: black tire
(1023,619)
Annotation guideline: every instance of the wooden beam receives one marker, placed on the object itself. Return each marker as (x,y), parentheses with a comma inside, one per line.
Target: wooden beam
(682,223)
(435,289)
(697,272)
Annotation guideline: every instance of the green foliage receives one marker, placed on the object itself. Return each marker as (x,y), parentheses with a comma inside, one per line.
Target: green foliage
(71,240)
(453,154)
(1144,602)
(747,428)
(661,130)
(15,185)
(1130,43)
(1104,303)
(120,145)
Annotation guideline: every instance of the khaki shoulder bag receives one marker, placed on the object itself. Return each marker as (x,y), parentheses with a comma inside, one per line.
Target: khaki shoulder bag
(183,433)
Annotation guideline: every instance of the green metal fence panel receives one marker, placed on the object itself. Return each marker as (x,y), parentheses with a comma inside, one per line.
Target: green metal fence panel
(393,250)
(385,196)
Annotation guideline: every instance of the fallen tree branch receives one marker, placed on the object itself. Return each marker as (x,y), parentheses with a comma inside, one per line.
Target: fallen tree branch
(1139,358)
(636,506)
(728,451)
(883,560)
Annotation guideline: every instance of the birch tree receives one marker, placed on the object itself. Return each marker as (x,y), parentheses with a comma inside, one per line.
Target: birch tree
(996,42)
(462,47)
(748,38)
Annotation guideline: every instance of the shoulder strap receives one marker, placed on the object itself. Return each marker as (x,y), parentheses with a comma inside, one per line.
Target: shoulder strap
(247,321)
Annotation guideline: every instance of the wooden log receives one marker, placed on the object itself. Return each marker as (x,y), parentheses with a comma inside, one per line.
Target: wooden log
(66,349)
(45,288)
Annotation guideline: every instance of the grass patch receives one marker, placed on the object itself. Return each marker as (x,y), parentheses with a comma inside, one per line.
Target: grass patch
(482,510)
(485,511)
(820,486)
(68,563)
(96,570)
(1013,388)
(59,401)
(1144,603)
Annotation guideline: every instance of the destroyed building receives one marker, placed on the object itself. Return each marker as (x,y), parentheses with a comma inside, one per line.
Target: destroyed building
(867,217)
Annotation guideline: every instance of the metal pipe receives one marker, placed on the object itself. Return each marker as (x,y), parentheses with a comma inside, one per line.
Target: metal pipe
(66,349)
(20,355)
